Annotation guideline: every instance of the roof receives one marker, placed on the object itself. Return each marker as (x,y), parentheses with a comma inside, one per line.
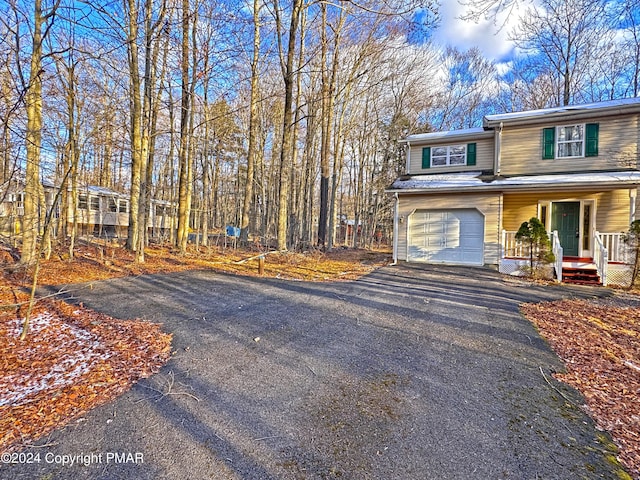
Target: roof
(489,122)
(96,190)
(451,135)
(624,105)
(473,182)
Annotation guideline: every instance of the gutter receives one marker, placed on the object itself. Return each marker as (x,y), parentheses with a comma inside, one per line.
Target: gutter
(497,160)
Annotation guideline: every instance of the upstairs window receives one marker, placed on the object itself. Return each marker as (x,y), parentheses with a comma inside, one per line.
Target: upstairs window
(122,206)
(449,155)
(570,141)
(82,201)
(94,203)
(112,205)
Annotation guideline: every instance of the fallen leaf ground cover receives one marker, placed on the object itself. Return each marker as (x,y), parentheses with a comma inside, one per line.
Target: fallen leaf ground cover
(72,360)
(99,262)
(600,346)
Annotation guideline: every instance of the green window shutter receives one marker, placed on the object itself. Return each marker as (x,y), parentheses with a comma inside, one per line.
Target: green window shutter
(591,138)
(471,153)
(548,143)
(426,157)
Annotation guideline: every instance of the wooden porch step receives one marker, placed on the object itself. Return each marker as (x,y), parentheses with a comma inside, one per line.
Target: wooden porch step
(581,276)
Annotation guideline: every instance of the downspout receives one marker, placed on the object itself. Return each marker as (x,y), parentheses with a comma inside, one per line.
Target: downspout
(633,192)
(497,160)
(395,229)
(408,165)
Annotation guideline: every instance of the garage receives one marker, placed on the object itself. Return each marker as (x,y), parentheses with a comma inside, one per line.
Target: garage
(452,236)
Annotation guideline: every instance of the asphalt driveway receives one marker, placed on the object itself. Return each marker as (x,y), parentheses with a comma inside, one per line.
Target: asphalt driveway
(409,373)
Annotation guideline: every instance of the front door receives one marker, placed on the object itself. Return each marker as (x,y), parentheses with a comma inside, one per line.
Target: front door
(565,218)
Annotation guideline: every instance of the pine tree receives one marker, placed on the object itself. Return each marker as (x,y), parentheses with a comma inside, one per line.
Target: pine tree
(535,235)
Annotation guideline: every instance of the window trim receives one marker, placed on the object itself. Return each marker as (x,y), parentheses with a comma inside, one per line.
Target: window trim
(590,141)
(470,153)
(558,142)
(112,205)
(83,201)
(448,155)
(92,203)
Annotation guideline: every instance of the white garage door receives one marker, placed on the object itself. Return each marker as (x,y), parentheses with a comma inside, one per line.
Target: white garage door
(446,236)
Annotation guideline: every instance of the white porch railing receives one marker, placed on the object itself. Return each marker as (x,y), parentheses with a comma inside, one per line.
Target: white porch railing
(512,247)
(615,246)
(600,257)
(556,248)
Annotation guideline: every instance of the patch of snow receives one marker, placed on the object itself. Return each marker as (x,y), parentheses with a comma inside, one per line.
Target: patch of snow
(83,350)
(447,134)
(471,180)
(560,110)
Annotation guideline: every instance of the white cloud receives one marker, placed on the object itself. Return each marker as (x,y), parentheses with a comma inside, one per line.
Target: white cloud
(489,36)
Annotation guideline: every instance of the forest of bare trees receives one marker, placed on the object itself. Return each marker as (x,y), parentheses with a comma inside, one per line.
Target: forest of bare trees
(279,117)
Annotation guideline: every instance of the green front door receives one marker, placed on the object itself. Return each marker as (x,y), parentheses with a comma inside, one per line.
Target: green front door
(565,218)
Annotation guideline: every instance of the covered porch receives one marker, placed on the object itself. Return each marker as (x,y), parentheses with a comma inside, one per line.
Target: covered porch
(610,262)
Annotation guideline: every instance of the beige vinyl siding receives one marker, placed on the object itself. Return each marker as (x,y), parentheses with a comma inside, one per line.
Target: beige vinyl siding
(613,211)
(484,157)
(519,208)
(617,148)
(487,204)
(612,208)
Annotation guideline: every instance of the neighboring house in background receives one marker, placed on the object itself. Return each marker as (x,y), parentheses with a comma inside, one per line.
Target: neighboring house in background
(12,204)
(100,212)
(103,212)
(576,168)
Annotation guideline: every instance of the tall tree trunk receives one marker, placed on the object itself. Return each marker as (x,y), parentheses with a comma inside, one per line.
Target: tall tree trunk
(325,141)
(33,139)
(136,128)
(253,127)
(5,161)
(337,159)
(184,176)
(288,74)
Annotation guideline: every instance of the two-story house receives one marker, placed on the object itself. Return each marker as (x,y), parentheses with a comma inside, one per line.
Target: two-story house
(576,168)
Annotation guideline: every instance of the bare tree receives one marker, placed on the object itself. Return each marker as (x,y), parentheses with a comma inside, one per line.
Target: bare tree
(42,22)
(185,167)
(564,34)
(288,75)
(631,19)
(253,126)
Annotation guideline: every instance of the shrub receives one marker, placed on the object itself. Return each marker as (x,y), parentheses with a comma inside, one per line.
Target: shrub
(534,234)
(632,238)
